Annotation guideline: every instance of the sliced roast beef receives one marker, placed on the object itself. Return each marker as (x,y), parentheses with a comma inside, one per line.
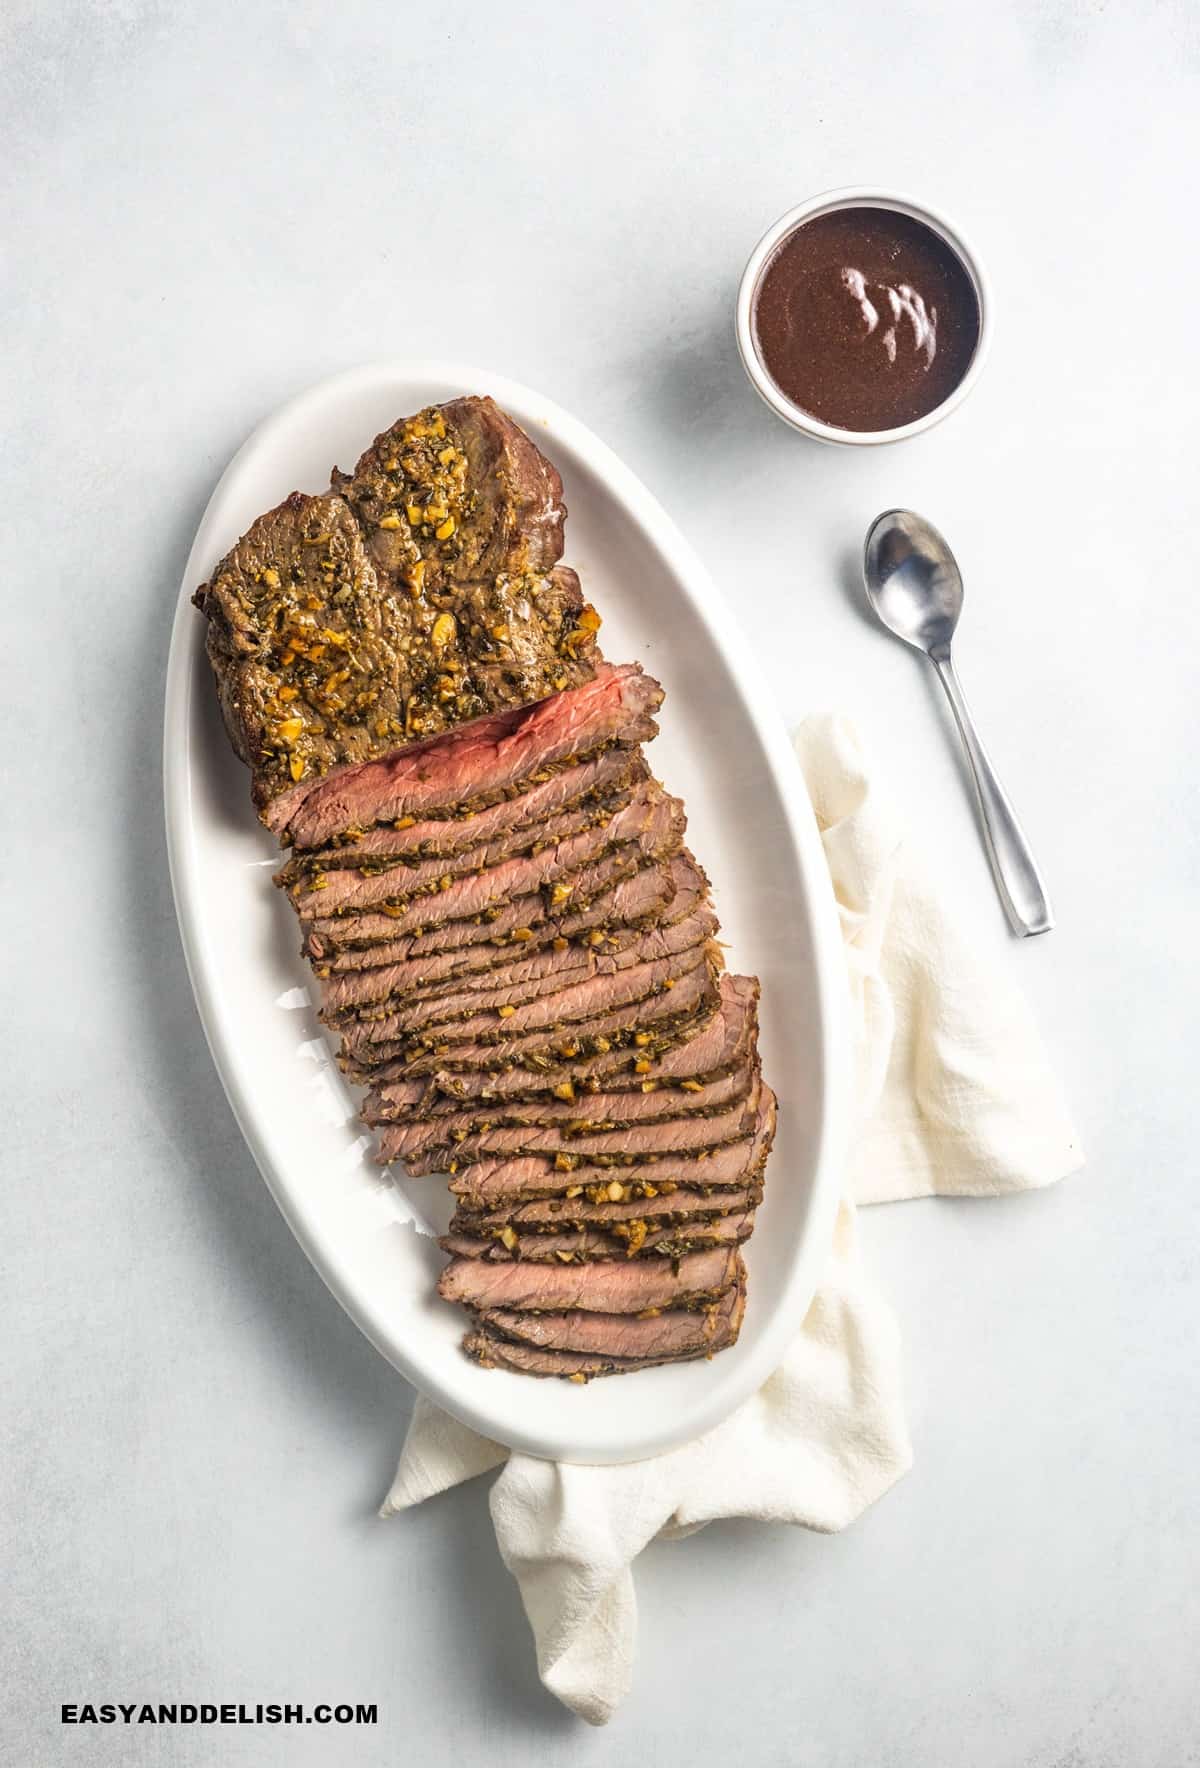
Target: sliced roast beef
(566,1108)
(486,760)
(672,1333)
(717,1044)
(625,1286)
(408,840)
(550,1214)
(488,1183)
(495,1016)
(400,888)
(546,964)
(629,1142)
(443,1015)
(563,1104)
(524,968)
(585,1245)
(623,889)
(619,911)
(650,826)
(657,1017)
(557,1012)
(494,1180)
(624,1040)
(360,941)
(532,976)
(350,889)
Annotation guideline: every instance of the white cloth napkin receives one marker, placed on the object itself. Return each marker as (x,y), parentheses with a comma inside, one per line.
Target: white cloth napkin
(955,1098)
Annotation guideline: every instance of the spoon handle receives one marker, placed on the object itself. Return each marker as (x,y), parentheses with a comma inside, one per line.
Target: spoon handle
(1013,865)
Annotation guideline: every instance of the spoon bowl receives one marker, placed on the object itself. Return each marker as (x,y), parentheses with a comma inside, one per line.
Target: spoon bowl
(913,582)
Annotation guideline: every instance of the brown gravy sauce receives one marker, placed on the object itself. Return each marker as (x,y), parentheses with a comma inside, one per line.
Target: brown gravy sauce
(866,319)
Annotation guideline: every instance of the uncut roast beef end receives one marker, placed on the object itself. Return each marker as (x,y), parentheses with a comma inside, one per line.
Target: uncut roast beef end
(334,620)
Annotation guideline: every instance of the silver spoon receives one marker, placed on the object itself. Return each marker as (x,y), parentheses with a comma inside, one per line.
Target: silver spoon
(916,590)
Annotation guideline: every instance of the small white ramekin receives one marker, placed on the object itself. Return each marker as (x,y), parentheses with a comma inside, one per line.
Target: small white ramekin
(856,198)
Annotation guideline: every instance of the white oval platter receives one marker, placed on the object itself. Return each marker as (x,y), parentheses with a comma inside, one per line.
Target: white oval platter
(722,748)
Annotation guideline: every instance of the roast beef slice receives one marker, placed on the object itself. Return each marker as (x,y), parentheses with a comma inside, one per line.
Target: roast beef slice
(581,1246)
(619,1286)
(666,1334)
(485,761)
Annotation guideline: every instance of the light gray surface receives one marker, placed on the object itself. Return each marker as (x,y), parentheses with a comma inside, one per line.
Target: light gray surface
(209,207)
